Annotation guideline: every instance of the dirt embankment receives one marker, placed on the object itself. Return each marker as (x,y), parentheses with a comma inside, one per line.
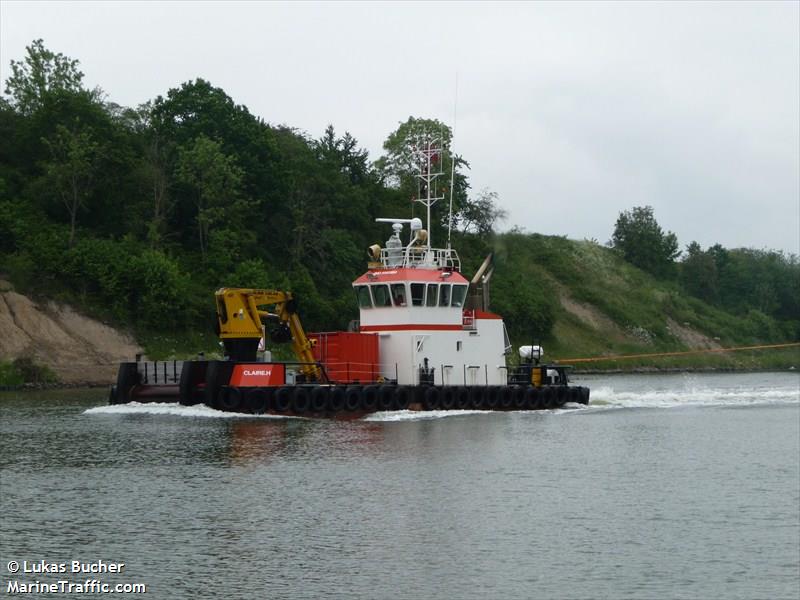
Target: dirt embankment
(78,349)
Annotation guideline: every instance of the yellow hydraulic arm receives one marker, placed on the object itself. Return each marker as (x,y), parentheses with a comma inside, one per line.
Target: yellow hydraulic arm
(240,324)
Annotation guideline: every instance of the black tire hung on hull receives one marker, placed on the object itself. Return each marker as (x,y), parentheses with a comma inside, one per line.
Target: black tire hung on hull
(431,400)
(402,397)
(492,397)
(257,400)
(300,400)
(353,399)
(127,378)
(518,397)
(336,399)
(320,398)
(505,397)
(447,398)
(462,398)
(532,401)
(283,398)
(574,395)
(370,398)
(476,397)
(192,371)
(548,398)
(229,399)
(584,395)
(386,395)
(562,395)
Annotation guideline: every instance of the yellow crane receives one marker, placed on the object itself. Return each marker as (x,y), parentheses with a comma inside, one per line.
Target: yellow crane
(240,325)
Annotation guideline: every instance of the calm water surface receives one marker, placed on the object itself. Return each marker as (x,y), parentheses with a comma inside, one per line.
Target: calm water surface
(668,486)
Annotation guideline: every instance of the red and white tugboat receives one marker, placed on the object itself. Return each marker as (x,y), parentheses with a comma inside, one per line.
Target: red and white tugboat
(425,340)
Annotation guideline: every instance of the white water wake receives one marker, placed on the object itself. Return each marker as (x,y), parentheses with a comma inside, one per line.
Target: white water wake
(608,397)
(603,397)
(175,409)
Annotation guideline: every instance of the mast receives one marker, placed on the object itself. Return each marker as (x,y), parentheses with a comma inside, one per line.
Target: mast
(428,152)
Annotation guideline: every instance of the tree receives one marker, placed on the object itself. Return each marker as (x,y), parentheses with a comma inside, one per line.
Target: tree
(215,179)
(155,151)
(698,273)
(344,154)
(642,242)
(40,74)
(71,170)
(400,166)
(480,214)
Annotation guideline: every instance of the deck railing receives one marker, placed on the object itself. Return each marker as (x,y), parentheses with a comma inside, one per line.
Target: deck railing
(439,258)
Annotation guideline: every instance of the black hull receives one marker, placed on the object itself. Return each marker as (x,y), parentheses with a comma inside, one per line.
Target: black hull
(201,385)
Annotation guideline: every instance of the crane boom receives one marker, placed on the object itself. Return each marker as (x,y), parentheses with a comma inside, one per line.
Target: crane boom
(240,324)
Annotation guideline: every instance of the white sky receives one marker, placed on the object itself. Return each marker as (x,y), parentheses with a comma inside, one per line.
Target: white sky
(571,112)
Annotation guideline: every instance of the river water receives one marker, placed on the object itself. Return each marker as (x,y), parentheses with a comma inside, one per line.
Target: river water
(667,486)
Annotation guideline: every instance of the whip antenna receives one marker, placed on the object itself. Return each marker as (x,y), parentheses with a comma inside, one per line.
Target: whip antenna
(452,164)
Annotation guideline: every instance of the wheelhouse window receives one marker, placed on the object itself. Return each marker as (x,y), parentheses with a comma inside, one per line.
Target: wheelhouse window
(433,293)
(459,294)
(362,293)
(399,294)
(380,294)
(444,294)
(417,294)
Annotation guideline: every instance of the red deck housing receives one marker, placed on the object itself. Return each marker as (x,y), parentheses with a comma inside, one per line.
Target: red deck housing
(348,357)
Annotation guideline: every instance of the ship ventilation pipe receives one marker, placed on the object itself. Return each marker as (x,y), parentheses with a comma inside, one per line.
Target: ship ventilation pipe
(421,236)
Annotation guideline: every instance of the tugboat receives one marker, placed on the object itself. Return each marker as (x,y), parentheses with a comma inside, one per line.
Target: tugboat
(425,340)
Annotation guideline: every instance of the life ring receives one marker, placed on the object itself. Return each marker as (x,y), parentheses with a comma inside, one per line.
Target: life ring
(319,398)
(300,400)
(283,398)
(257,400)
(352,399)
(336,399)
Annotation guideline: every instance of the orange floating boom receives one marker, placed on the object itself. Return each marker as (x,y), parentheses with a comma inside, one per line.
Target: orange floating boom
(682,353)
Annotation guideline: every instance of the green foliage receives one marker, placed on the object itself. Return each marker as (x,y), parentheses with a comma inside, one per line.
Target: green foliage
(742,280)
(24,370)
(139,215)
(640,239)
(9,375)
(70,170)
(40,74)
(215,180)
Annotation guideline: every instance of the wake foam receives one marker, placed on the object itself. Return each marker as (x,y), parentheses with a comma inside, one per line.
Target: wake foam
(604,396)
(175,409)
(608,397)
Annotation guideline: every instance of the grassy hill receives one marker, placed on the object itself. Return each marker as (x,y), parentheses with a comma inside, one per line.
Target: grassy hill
(596,304)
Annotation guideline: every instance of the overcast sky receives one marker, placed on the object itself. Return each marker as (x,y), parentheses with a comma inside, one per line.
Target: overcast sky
(571,112)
